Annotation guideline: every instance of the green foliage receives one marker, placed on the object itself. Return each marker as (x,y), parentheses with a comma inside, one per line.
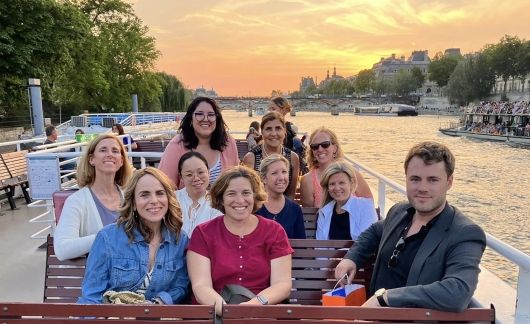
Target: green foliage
(441,68)
(404,83)
(417,76)
(89,54)
(382,86)
(364,81)
(337,88)
(173,97)
(504,57)
(472,79)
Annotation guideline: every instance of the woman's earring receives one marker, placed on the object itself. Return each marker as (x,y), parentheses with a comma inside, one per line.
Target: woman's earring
(335,155)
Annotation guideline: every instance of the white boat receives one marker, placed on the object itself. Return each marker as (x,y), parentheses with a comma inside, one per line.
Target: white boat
(387,110)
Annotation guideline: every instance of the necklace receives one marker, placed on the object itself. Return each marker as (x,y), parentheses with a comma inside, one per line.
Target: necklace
(265,153)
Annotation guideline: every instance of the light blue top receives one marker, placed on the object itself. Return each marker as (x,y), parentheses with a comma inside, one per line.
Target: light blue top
(362,215)
(115,264)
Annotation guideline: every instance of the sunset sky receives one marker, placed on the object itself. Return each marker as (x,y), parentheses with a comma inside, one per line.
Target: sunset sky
(255,46)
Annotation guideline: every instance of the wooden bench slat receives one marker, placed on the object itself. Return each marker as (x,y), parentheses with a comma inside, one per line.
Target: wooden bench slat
(62,292)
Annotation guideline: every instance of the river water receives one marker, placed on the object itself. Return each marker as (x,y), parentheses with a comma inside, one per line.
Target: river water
(491,182)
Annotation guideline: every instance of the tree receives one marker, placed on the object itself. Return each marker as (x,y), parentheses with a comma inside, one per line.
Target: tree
(472,79)
(523,63)
(404,83)
(417,76)
(173,97)
(382,86)
(364,81)
(441,69)
(503,57)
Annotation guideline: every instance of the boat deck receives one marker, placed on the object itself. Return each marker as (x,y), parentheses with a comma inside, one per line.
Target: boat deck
(23,262)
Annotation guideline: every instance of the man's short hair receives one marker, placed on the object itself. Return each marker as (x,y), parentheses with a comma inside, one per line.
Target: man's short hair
(431,153)
(49,130)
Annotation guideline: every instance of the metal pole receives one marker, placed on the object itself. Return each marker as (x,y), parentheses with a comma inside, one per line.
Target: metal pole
(36,105)
(135,103)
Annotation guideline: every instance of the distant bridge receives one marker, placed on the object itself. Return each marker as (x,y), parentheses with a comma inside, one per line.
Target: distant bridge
(262,103)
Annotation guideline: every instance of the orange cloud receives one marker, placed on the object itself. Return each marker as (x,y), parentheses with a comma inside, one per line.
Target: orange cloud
(255,46)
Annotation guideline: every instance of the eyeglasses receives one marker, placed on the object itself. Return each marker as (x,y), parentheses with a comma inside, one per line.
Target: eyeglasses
(200,116)
(400,245)
(315,146)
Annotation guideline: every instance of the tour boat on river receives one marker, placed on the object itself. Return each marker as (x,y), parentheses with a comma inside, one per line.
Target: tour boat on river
(498,124)
(26,264)
(387,110)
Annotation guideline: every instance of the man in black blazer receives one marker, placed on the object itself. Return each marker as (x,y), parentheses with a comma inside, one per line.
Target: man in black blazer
(428,252)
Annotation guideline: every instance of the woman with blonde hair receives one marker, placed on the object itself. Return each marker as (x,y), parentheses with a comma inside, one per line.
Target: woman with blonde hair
(273,134)
(324,149)
(144,251)
(102,170)
(247,250)
(274,171)
(342,216)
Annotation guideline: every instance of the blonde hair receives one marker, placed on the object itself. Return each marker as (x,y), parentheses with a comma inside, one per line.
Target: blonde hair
(219,187)
(129,216)
(282,103)
(266,162)
(86,173)
(312,162)
(332,169)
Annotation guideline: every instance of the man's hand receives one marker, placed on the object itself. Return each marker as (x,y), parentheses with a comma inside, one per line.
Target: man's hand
(345,266)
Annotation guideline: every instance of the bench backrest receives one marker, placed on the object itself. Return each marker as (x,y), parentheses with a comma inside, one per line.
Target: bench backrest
(5,176)
(242,148)
(158,145)
(63,279)
(72,313)
(59,198)
(320,314)
(310,221)
(313,269)
(16,164)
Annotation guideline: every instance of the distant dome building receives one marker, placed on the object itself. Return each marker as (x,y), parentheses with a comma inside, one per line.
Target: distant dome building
(335,76)
(202,92)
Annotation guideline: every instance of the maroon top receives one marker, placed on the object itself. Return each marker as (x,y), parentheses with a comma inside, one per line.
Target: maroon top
(244,261)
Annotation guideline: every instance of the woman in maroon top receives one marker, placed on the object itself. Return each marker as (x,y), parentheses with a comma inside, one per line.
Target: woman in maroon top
(239,247)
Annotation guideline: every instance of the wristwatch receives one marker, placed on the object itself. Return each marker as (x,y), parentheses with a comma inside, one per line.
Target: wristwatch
(379,294)
(262,299)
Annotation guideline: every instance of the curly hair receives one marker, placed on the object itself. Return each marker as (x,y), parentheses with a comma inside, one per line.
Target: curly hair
(431,153)
(219,187)
(86,173)
(129,216)
(219,138)
(312,162)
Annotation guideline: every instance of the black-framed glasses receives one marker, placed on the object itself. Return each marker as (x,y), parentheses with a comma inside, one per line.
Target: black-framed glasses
(400,245)
(315,146)
(200,116)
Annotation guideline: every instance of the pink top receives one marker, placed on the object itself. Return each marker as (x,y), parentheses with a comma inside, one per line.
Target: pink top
(244,261)
(317,189)
(175,149)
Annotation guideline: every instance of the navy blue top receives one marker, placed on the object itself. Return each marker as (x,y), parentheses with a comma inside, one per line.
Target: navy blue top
(290,217)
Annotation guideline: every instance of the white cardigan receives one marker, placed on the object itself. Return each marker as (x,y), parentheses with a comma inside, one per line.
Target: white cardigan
(362,215)
(77,228)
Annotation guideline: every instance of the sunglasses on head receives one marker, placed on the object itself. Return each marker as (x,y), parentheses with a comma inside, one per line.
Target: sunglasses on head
(325,145)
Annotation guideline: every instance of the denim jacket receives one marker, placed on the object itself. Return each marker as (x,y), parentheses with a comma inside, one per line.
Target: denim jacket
(115,264)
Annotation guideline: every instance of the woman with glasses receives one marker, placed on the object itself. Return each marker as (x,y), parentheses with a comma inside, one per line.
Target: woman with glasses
(342,216)
(194,199)
(202,130)
(324,149)
(273,134)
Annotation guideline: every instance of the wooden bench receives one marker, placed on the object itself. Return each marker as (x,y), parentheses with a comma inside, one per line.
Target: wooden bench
(158,145)
(284,314)
(70,313)
(310,221)
(16,166)
(242,148)
(62,279)
(313,269)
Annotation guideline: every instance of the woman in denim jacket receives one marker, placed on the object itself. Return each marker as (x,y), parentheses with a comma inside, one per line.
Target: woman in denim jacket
(144,251)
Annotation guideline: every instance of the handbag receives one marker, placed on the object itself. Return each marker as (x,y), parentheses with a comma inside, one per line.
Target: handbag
(349,295)
(236,294)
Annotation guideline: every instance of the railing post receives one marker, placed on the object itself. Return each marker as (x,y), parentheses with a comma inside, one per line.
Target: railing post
(381,198)
(522,307)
